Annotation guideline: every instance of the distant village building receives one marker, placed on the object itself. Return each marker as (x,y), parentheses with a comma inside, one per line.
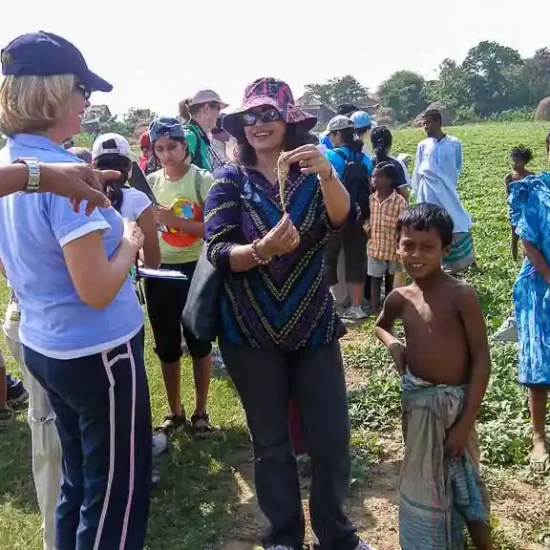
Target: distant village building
(324,112)
(93,116)
(368,104)
(318,109)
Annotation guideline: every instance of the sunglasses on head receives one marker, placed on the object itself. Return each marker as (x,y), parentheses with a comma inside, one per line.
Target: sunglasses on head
(84,91)
(269,114)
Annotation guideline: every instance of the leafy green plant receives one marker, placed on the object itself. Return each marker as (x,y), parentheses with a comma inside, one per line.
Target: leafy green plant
(377,404)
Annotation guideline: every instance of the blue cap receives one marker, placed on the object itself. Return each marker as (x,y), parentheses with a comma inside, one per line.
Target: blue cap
(361,119)
(46,54)
(166,126)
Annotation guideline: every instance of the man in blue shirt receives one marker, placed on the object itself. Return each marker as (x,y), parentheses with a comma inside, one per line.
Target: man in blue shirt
(435,179)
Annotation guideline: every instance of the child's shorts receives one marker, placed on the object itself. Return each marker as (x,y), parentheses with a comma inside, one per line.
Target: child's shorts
(378,268)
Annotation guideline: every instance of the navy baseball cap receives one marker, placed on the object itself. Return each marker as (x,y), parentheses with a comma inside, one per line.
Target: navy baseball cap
(166,126)
(46,54)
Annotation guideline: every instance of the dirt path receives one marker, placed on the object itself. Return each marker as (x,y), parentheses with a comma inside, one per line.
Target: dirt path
(521,508)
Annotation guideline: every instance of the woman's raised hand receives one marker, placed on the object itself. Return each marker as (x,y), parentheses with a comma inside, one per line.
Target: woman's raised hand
(133,234)
(310,160)
(77,182)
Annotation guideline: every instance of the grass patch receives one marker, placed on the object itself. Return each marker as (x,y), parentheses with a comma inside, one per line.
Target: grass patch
(195,505)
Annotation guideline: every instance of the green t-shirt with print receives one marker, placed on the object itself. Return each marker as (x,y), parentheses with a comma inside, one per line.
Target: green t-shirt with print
(186,198)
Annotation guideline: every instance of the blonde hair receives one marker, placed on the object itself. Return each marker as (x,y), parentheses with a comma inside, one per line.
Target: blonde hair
(188,111)
(32,104)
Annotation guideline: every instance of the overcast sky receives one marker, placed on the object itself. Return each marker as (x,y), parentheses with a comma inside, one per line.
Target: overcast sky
(166,50)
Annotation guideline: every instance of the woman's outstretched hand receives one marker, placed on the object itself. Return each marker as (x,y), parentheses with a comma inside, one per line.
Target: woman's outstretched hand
(78,182)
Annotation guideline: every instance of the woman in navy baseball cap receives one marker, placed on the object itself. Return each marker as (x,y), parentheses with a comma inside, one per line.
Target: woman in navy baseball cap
(81,321)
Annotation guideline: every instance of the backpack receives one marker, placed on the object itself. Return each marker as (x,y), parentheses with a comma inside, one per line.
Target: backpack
(356,180)
(203,141)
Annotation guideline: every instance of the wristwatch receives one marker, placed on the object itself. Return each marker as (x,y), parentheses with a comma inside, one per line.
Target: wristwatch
(33,169)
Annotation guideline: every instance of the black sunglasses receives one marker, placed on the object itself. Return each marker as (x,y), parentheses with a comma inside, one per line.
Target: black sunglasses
(270,114)
(84,91)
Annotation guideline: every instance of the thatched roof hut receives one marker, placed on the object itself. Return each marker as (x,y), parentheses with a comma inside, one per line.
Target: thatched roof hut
(543,110)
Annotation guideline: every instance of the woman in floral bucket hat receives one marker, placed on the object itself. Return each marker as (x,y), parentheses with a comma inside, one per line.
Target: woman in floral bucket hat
(279,331)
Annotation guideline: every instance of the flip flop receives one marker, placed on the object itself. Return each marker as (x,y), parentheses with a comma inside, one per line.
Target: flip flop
(539,464)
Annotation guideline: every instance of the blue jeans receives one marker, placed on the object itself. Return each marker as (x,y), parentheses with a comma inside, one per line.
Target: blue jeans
(103,417)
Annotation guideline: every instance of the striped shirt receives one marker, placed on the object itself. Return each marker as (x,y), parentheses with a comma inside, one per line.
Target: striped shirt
(287,303)
(383,221)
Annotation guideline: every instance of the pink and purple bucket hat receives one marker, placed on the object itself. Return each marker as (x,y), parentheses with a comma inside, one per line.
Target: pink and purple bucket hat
(273,93)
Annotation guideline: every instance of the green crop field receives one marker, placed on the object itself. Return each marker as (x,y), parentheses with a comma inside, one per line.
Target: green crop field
(205,499)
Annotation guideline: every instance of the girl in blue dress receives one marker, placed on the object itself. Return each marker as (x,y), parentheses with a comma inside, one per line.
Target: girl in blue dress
(530,203)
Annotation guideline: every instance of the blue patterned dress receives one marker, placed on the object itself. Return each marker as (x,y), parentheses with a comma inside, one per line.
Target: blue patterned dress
(285,304)
(530,204)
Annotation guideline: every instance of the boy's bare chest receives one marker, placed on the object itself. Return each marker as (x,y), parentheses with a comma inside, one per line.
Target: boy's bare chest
(430,317)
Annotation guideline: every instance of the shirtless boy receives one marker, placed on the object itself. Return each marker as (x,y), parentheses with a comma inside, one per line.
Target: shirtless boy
(445,368)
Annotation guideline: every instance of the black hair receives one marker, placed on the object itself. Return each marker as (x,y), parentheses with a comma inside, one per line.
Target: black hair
(522,153)
(181,140)
(425,216)
(381,139)
(434,114)
(295,137)
(347,109)
(350,139)
(388,169)
(362,131)
(113,188)
(548,143)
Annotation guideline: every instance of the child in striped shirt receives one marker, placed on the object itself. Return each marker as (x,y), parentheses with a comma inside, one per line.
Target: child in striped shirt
(385,207)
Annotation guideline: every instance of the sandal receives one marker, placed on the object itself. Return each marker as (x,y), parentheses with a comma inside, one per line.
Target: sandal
(172,422)
(200,426)
(539,464)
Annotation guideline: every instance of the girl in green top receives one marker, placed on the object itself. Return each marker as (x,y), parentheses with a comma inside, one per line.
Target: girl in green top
(180,190)
(200,114)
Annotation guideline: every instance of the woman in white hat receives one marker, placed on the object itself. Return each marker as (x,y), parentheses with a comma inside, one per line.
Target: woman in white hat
(200,114)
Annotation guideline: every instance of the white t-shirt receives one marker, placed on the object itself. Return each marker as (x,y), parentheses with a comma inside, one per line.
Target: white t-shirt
(134,202)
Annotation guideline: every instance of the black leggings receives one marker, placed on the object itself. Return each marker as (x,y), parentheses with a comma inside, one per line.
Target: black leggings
(165,302)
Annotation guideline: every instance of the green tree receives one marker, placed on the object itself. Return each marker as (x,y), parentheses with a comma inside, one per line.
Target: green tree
(135,117)
(536,76)
(493,74)
(336,91)
(404,93)
(113,124)
(452,86)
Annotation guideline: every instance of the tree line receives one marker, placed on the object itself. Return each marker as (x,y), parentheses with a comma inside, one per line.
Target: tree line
(491,80)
